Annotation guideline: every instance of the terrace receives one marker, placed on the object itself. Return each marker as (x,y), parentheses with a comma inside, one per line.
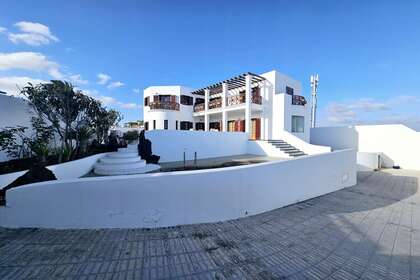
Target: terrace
(368,231)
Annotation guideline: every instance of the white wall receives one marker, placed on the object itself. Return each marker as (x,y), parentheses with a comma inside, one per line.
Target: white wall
(171,144)
(67,170)
(169,199)
(397,144)
(13,112)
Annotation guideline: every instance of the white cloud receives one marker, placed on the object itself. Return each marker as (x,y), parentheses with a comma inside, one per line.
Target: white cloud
(103,78)
(3,29)
(129,105)
(136,90)
(115,85)
(110,101)
(77,80)
(368,110)
(31,61)
(13,85)
(32,33)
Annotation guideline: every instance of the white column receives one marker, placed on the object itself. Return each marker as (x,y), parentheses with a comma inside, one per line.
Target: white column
(224,113)
(206,108)
(248,90)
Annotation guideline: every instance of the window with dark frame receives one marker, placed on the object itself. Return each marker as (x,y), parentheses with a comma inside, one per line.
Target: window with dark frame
(176,125)
(289,90)
(146,126)
(187,100)
(146,101)
(186,125)
(165,124)
(154,124)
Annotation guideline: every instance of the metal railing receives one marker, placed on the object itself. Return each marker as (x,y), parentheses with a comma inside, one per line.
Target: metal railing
(298,100)
(215,103)
(198,107)
(165,105)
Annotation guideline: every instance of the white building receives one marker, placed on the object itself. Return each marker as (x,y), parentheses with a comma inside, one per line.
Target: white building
(262,105)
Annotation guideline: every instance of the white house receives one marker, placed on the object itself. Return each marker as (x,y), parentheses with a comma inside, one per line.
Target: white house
(262,105)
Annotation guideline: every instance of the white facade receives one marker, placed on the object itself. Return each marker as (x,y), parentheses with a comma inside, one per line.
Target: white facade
(263,106)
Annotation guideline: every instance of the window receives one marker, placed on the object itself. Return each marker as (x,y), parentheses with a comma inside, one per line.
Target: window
(289,90)
(146,101)
(154,124)
(186,100)
(186,125)
(146,126)
(199,100)
(165,124)
(199,126)
(176,125)
(298,124)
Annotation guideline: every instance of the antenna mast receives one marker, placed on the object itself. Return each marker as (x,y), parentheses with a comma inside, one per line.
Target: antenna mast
(314,92)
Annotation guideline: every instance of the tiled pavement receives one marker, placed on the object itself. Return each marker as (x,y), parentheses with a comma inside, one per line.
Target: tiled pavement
(370,231)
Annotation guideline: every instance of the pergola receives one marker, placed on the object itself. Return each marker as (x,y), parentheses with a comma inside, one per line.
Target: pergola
(232,83)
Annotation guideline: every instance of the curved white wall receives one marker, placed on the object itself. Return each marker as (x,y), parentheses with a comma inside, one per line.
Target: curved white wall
(169,199)
(67,170)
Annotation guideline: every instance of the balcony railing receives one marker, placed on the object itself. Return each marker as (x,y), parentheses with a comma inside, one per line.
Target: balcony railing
(239,99)
(165,105)
(235,100)
(257,99)
(198,107)
(215,103)
(298,100)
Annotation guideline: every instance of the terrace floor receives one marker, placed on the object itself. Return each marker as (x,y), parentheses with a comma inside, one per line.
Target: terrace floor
(369,231)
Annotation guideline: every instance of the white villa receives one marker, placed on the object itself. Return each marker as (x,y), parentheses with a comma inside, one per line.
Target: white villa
(262,105)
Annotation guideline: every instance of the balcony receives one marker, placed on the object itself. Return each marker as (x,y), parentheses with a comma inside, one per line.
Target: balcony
(164,105)
(298,100)
(215,103)
(198,107)
(240,99)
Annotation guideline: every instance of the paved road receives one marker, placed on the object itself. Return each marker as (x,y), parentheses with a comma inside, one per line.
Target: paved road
(370,231)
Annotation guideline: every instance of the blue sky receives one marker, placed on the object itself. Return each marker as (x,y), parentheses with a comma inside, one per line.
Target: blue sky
(367,53)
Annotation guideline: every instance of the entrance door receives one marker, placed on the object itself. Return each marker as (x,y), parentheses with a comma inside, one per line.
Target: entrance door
(255,129)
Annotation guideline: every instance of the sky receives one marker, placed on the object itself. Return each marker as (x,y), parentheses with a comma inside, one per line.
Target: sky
(367,53)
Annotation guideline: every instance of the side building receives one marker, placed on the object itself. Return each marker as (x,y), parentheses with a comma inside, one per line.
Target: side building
(261,105)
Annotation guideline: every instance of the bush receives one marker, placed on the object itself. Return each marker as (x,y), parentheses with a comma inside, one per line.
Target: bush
(131,135)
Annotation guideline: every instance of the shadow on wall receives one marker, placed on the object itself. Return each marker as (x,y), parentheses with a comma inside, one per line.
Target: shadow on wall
(338,138)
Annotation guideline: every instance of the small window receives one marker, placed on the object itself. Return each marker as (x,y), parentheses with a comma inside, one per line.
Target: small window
(146,126)
(186,100)
(165,124)
(298,124)
(176,125)
(199,100)
(289,90)
(186,125)
(154,124)
(146,101)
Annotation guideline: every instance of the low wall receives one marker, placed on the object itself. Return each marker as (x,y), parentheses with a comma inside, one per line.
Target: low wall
(397,144)
(307,148)
(171,144)
(368,161)
(67,170)
(169,199)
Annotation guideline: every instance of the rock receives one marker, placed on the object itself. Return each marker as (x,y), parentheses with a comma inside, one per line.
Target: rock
(37,173)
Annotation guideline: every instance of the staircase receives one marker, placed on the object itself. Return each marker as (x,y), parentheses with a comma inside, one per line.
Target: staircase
(286,148)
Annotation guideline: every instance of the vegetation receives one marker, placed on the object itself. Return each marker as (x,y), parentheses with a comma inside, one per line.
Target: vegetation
(64,123)
(131,135)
